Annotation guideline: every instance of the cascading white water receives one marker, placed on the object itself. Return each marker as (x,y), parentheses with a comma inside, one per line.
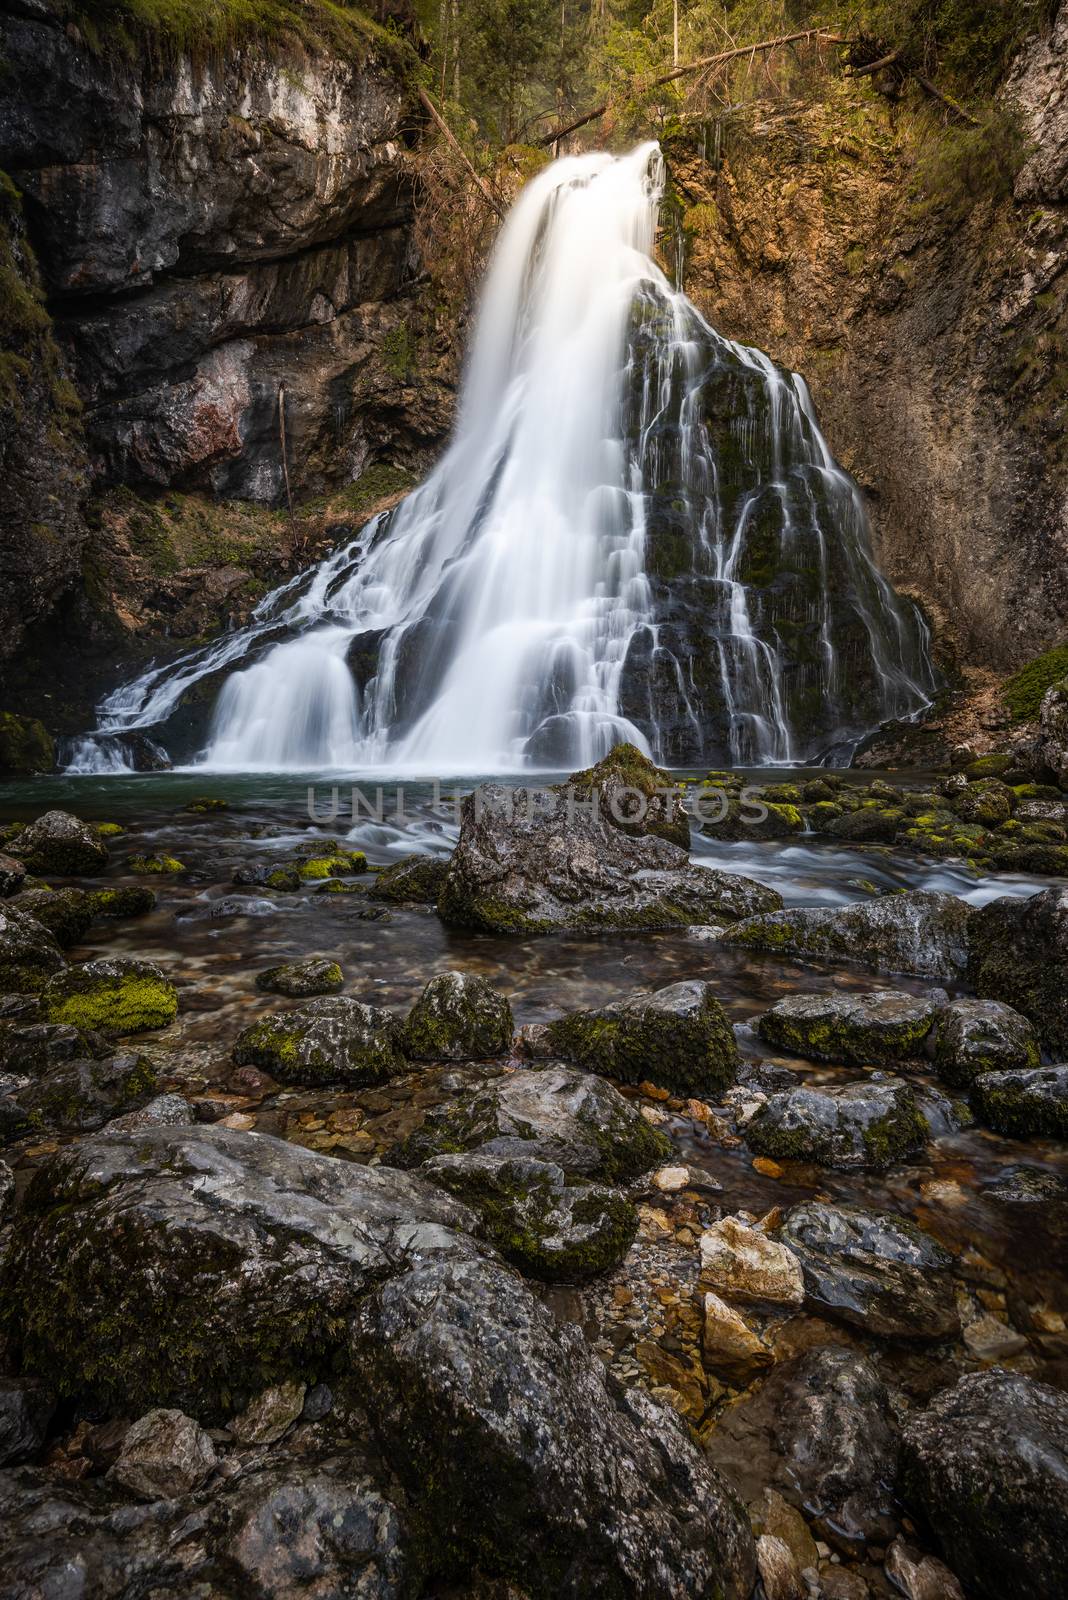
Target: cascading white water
(504,601)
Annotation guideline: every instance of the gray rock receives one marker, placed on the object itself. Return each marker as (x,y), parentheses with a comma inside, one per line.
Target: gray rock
(7,1187)
(1051,746)
(920,1576)
(66,913)
(871,1123)
(165,1111)
(575,1121)
(678,1037)
(271,1414)
(976,1036)
(299,979)
(165,1454)
(860,1029)
(528,863)
(1018,953)
(879,1273)
(25,1411)
(318,1403)
(12,875)
(32,1048)
(84,1095)
(332,1040)
(987,1467)
(59,843)
(547,1225)
(1026,1186)
(1025,1105)
(414,879)
(458,1017)
(29,954)
(919,932)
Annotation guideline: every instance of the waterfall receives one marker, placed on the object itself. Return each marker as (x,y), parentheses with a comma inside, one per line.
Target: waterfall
(637,532)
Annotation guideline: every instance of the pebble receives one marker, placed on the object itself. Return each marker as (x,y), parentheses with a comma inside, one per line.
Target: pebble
(671,1179)
(742,1263)
(767,1167)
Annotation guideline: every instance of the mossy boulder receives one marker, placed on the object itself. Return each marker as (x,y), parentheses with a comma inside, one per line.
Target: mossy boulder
(975,1036)
(458,1017)
(205,804)
(417,879)
(31,1049)
(1030,1104)
(61,844)
(86,1094)
(872,1123)
(108,830)
(285,880)
(29,953)
(332,1040)
(570,1119)
(114,996)
(299,979)
(679,1037)
(634,794)
(66,913)
(858,1029)
(868,825)
(155,866)
(987,803)
(335,866)
(546,1224)
(1018,953)
(12,876)
(137,900)
(26,746)
(919,932)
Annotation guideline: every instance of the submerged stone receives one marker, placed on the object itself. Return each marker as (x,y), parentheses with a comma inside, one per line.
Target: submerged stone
(975,1036)
(332,1040)
(679,1037)
(60,843)
(1030,1104)
(115,995)
(919,932)
(872,1123)
(859,1029)
(458,1017)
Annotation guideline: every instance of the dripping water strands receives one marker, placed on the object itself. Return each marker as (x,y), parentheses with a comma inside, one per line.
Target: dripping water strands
(637,532)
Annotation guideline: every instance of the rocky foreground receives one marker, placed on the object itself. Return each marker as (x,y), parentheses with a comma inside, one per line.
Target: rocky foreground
(388,1304)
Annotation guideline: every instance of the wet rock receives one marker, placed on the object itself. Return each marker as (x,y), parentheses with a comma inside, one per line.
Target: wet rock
(989,802)
(678,1037)
(25,1412)
(136,900)
(417,879)
(258,876)
(1025,1105)
(634,795)
(83,1096)
(731,1349)
(975,1036)
(164,1454)
(458,1017)
(918,932)
(860,1029)
(879,1273)
(1051,746)
(868,1124)
(61,844)
(920,1576)
(155,866)
(332,1040)
(31,1048)
(987,1466)
(773,1515)
(1018,953)
(29,954)
(7,1188)
(165,1111)
(529,862)
(229,905)
(12,875)
(742,1263)
(778,1570)
(1026,1186)
(547,1225)
(298,979)
(66,913)
(271,1414)
(115,995)
(822,1429)
(584,1486)
(554,1114)
(342,864)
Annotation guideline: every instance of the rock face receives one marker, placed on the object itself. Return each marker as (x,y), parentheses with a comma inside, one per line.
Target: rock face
(976,1036)
(679,1037)
(458,1017)
(333,1040)
(878,1273)
(568,1118)
(60,843)
(1026,1104)
(987,1465)
(867,1124)
(861,1030)
(1018,953)
(918,932)
(25,1412)
(527,862)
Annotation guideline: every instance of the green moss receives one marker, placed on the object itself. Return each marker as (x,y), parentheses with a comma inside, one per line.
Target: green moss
(132,902)
(1024,690)
(328,867)
(25,744)
(154,866)
(108,830)
(894,1135)
(129,1002)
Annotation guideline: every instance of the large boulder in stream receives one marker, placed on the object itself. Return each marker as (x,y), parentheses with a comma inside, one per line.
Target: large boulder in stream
(246,1261)
(975,1036)
(542,861)
(458,1017)
(858,1029)
(987,1466)
(331,1040)
(1031,1104)
(871,1123)
(920,932)
(59,843)
(679,1037)
(1018,953)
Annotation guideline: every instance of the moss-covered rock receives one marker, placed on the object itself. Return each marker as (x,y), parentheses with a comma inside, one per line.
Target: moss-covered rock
(679,1037)
(918,932)
(12,876)
(137,900)
(108,830)
(867,1124)
(61,844)
(987,803)
(299,979)
(549,1226)
(859,1029)
(155,866)
(992,766)
(285,880)
(86,1094)
(332,1040)
(418,879)
(634,794)
(113,996)
(974,1036)
(29,953)
(868,825)
(458,1017)
(206,804)
(336,866)
(26,746)
(1018,953)
(66,913)
(1025,1105)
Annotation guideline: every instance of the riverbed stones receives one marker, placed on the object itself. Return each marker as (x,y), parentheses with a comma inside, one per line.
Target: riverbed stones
(416,879)
(164,1454)
(871,1123)
(115,996)
(879,1273)
(741,1262)
(546,1224)
(29,954)
(858,1029)
(920,932)
(987,1466)
(975,1036)
(458,1017)
(530,862)
(678,1037)
(1024,1105)
(25,1411)
(731,1348)
(330,1040)
(571,1119)
(61,844)
(1019,954)
(300,979)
